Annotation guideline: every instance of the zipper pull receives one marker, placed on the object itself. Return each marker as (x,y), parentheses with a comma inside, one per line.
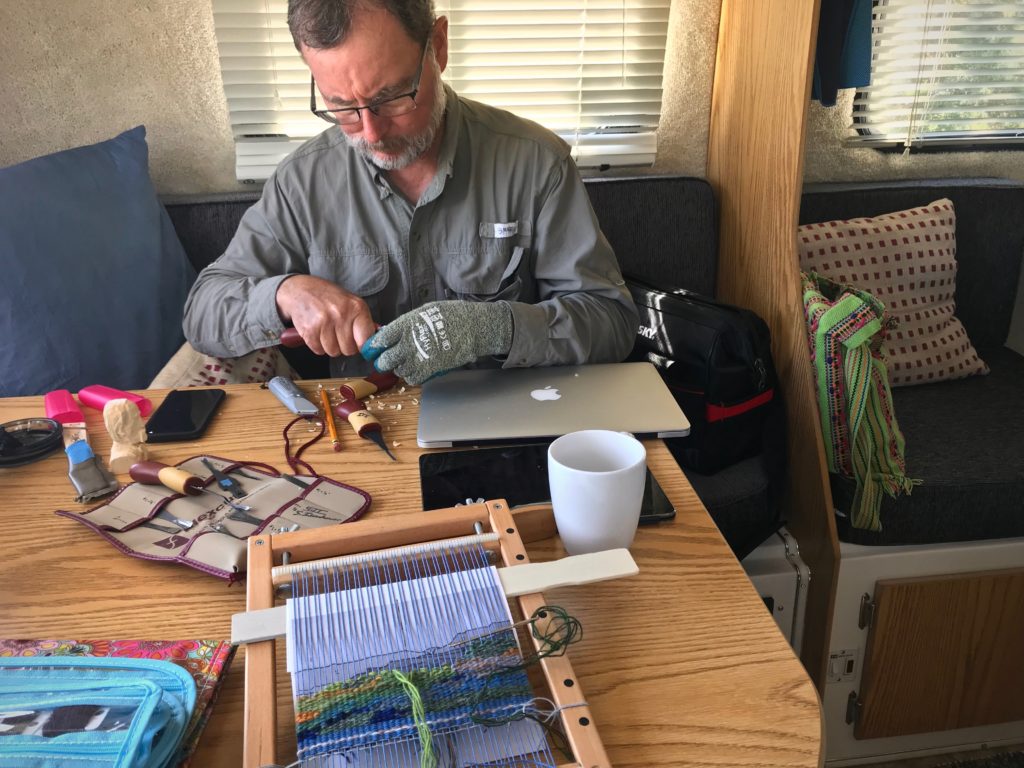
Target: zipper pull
(762,374)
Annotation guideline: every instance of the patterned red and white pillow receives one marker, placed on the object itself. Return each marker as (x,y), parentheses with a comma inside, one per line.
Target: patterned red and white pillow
(907,260)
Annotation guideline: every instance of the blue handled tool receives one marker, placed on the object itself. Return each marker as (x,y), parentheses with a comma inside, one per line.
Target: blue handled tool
(226,483)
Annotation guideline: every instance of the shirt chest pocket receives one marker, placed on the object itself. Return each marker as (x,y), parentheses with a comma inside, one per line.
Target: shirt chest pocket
(494,269)
(362,271)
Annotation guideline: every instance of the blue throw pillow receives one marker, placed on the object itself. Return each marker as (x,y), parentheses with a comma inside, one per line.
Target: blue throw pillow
(94,278)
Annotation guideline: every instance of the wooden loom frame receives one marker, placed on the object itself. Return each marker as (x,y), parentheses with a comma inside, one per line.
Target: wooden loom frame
(267,551)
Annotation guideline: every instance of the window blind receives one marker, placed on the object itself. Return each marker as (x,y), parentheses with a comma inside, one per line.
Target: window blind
(590,70)
(943,72)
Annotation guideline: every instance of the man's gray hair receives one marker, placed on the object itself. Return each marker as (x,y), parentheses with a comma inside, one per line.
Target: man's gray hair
(320,24)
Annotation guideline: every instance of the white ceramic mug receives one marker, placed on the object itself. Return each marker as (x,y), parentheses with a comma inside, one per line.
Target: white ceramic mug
(597,486)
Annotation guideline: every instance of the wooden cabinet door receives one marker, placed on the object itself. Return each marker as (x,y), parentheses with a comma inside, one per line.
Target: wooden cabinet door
(944,652)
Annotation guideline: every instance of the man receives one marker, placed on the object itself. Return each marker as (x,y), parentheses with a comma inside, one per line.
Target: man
(461,229)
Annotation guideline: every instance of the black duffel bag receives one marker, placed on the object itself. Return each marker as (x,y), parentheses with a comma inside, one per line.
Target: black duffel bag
(716,359)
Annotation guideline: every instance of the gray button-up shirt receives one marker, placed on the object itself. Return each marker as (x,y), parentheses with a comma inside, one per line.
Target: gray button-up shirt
(506,218)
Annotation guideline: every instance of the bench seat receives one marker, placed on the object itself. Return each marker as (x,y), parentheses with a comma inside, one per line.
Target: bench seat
(964,438)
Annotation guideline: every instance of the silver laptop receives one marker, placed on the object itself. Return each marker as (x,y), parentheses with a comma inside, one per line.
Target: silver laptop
(493,405)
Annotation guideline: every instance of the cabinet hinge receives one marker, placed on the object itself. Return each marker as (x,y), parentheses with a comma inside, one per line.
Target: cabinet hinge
(853,708)
(867,611)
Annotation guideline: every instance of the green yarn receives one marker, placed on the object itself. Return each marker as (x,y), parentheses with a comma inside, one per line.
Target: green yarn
(428,759)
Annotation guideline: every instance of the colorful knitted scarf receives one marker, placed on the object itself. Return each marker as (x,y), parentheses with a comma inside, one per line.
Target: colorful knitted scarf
(862,438)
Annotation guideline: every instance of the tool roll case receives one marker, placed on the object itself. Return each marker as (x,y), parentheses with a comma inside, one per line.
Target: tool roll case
(203,531)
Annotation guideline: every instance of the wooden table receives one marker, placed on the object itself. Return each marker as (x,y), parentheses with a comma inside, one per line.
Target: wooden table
(682,665)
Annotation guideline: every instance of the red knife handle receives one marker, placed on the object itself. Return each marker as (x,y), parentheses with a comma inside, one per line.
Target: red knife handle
(360,388)
(291,338)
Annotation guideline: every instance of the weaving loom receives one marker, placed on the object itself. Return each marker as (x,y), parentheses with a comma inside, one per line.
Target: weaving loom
(402,647)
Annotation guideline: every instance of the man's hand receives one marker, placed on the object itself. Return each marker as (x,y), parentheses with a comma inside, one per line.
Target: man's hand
(330,320)
(440,336)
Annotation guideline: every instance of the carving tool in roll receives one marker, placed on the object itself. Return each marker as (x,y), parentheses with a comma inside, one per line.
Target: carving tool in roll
(332,428)
(363,422)
(226,483)
(158,473)
(89,477)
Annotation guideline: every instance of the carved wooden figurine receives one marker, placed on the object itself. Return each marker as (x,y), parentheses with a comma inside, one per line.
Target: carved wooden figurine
(124,423)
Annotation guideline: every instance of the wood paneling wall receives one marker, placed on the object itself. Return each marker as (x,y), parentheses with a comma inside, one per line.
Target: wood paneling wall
(755,164)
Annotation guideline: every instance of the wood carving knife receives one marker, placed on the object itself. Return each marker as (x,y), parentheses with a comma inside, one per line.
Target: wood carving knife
(363,422)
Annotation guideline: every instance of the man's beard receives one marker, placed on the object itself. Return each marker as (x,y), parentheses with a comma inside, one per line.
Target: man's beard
(402,151)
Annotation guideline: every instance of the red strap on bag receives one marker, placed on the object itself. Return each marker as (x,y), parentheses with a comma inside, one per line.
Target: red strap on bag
(721,412)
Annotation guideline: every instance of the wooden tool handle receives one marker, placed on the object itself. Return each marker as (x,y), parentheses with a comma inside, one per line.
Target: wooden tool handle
(360,388)
(157,473)
(356,414)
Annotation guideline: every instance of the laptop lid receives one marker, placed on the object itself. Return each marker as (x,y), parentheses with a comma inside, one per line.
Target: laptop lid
(492,405)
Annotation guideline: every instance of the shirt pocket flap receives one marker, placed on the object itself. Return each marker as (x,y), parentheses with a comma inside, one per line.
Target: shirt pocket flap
(362,271)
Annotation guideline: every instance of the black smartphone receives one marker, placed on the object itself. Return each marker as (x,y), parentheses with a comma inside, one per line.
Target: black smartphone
(516,473)
(183,415)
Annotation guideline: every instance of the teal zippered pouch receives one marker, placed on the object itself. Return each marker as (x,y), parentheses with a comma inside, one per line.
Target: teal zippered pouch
(92,712)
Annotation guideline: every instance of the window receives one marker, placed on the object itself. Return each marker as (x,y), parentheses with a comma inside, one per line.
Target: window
(590,70)
(944,73)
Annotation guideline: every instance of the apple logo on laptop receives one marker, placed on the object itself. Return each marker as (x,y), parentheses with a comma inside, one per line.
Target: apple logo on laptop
(548,393)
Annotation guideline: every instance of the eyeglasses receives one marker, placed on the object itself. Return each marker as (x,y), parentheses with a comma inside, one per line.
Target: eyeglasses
(393,107)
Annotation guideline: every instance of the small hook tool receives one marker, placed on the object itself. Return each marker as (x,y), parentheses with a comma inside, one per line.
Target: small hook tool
(226,483)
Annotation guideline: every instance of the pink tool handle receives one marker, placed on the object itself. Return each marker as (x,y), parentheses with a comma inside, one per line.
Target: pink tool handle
(61,406)
(96,396)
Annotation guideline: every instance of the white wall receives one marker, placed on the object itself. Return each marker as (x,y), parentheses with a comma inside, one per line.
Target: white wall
(77,72)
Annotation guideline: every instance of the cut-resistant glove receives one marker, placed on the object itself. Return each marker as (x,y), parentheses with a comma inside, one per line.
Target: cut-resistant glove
(439,337)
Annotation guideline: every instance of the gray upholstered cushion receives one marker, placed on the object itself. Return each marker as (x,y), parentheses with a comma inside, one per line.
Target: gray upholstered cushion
(742,501)
(965,441)
(664,229)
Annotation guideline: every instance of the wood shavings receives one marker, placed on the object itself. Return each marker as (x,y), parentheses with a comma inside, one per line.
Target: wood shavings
(398,407)
(415,401)
(395,443)
(401,391)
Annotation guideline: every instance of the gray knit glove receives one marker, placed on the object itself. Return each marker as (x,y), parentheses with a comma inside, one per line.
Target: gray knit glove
(439,337)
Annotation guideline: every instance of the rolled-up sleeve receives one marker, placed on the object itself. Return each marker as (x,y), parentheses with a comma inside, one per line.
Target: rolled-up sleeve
(585,313)
(232,308)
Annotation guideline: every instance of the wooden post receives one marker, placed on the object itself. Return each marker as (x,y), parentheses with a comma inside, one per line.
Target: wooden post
(755,164)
